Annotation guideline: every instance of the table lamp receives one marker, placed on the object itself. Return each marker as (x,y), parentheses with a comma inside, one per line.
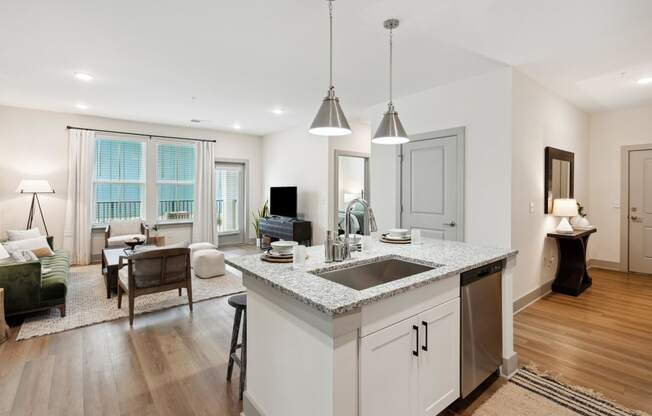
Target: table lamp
(564,208)
(35,187)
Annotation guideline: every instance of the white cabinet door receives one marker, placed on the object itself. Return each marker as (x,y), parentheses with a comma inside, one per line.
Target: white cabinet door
(439,358)
(388,371)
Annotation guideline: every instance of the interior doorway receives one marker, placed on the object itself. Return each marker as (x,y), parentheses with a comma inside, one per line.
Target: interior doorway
(230,202)
(636,224)
(351,181)
(432,184)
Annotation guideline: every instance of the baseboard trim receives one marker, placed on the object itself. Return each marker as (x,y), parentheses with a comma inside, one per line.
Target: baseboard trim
(510,366)
(248,406)
(603,264)
(533,296)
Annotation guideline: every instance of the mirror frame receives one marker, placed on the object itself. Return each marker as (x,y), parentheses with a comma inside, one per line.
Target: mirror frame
(550,154)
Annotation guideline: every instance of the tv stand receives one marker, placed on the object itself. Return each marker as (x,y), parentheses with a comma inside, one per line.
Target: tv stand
(286,228)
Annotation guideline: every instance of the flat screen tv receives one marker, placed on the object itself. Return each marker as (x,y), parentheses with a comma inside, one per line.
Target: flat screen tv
(283,201)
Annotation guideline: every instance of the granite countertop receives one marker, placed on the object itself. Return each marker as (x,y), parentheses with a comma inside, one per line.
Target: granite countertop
(448,257)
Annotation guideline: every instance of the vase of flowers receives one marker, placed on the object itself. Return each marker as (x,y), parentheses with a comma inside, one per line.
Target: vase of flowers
(580,221)
(256,216)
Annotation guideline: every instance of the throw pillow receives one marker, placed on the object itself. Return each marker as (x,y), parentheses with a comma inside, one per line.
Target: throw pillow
(15,235)
(3,253)
(39,246)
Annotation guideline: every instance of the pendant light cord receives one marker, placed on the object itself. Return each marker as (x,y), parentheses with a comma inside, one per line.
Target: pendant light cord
(390,65)
(330,15)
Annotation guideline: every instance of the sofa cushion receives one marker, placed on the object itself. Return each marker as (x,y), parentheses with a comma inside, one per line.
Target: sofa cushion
(38,245)
(14,235)
(122,227)
(119,240)
(54,282)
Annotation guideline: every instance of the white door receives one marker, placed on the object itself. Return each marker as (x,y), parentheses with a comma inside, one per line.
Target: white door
(388,371)
(439,358)
(429,187)
(640,211)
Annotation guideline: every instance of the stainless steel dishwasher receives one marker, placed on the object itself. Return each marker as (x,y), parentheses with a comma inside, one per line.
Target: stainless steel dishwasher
(482,330)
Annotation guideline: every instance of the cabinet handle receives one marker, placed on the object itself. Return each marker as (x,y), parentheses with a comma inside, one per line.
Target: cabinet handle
(416,350)
(425,344)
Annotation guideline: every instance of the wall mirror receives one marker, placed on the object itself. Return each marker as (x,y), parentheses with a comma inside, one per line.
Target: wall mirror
(559,176)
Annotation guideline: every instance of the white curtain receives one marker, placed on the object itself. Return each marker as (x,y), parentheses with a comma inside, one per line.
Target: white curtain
(77,225)
(204,228)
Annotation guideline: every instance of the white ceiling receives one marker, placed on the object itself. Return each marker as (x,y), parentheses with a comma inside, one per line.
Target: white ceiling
(241,59)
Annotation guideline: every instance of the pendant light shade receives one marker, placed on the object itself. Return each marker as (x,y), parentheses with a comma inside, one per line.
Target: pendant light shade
(330,119)
(390,130)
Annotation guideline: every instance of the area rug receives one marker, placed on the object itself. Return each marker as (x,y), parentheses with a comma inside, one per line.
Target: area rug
(534,393)
(86,301)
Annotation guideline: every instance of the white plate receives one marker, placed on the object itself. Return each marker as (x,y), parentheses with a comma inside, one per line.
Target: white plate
(389,237)
(398,232)
(274,253)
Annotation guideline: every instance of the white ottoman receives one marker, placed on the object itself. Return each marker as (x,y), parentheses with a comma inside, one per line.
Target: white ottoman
(208,263)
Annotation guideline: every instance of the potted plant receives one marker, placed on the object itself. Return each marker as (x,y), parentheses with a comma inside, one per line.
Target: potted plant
(257,215)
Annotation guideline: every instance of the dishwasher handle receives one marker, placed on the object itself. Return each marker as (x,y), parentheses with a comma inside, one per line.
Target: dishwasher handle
(481,272)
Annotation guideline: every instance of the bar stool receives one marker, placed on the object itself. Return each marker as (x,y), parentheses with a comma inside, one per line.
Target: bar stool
(239,302)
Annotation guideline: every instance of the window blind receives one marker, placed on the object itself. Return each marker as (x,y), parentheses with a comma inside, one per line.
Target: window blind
(119,179)
(227,182)
(175,181)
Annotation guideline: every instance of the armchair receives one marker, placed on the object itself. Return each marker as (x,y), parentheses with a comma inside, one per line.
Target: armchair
(119,231)
(154,271)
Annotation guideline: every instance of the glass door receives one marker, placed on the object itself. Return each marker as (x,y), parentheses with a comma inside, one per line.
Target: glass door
(229,202)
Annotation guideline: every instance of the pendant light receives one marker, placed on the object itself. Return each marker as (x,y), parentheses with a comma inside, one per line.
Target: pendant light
(390,130)
(330,119)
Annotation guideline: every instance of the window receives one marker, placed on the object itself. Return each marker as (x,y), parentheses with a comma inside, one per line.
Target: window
(228,184)
(175,167)
(119,184)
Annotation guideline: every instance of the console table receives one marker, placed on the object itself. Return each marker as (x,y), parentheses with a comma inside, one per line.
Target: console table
(286,229)
(572,278)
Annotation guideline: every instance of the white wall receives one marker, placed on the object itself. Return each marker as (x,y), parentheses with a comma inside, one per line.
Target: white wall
(609,132)
(350,178)
(540,119)
(34,144)
(296,158)
(481,104)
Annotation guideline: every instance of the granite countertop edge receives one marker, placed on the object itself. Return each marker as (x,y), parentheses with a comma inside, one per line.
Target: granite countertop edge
(334,299)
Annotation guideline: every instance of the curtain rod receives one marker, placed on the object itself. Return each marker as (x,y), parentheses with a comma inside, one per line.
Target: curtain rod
(141,134)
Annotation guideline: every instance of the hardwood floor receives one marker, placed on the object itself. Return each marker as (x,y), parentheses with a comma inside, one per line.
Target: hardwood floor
(601,340)
(174,363)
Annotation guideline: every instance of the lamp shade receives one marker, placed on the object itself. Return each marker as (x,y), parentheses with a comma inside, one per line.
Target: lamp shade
(330,119)
(564,208)
(390,130)
(34,186)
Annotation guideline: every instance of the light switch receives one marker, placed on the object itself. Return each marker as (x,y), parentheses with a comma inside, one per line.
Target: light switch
(531,207)
(616,203)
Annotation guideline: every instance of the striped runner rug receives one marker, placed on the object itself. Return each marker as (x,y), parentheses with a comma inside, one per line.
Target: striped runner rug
(533,393)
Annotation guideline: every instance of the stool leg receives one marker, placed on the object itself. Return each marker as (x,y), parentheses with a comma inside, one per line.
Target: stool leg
(234,341)
(243,355)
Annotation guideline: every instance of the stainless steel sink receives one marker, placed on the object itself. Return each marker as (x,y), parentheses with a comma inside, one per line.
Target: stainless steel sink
(373,274)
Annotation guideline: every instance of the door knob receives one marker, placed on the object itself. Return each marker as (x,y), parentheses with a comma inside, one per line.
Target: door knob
(634,218)
(451,224)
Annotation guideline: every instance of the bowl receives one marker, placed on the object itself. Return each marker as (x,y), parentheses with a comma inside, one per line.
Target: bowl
(283,247)
(398,232)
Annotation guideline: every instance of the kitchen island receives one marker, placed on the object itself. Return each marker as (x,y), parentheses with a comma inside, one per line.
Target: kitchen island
(319,347)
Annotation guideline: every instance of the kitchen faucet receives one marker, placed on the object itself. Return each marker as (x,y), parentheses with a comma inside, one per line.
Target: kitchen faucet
(369,225)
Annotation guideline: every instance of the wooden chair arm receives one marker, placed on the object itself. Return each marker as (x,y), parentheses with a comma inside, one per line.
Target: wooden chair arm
(107,235)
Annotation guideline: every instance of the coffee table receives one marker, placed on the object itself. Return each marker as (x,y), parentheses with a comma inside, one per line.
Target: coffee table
(110,262)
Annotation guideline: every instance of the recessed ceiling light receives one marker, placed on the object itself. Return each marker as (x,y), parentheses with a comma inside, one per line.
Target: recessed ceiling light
(646,80)
(82,76)
(82,106)
(236,126)
(278,111)
(195,120)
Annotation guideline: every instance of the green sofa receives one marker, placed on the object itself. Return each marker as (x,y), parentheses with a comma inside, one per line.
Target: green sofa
(26,290)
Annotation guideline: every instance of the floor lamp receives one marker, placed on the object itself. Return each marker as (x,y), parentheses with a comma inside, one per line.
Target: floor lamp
(35,187)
